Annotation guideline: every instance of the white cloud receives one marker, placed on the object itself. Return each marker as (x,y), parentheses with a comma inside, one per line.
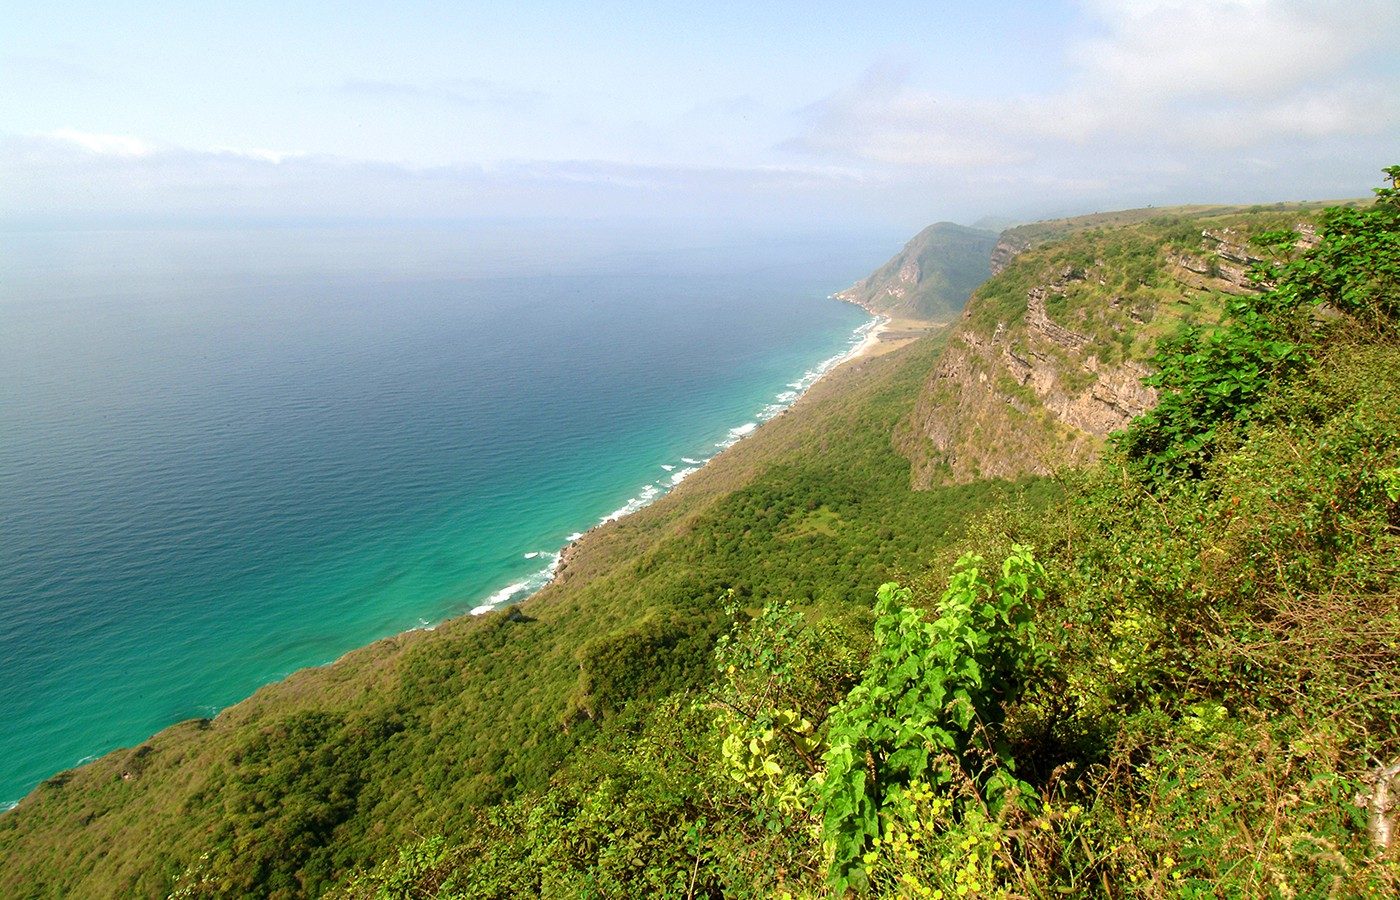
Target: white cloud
(257,153)
(102,144)
(1160,101)
(128,147)
(1192,77)
(456,91)
(43,176)
(1175,48)
(881,119)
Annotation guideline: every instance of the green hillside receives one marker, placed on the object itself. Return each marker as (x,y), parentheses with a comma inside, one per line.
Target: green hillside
(1167,665)
(335,767)
(1180,679)
(931,278)
(1050,356)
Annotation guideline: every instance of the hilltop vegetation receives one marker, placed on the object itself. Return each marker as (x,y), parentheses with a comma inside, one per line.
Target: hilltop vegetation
(1173,672)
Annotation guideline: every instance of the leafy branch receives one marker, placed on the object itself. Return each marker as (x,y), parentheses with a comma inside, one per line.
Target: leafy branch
(930,700)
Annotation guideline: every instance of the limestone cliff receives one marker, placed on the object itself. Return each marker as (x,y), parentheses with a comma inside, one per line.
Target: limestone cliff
(1049,356)
(931,278)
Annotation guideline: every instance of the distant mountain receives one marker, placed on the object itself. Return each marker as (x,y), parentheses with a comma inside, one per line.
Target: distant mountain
(931,278)
(997,223)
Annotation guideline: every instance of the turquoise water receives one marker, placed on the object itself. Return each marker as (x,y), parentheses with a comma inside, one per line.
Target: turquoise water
(229,454)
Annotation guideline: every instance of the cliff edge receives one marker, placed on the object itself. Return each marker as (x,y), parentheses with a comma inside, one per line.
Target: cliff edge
(1050,354)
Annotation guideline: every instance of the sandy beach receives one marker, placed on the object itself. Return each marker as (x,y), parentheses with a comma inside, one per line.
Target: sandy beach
(891,334)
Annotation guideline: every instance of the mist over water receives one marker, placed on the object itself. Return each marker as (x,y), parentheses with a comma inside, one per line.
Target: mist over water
(229,454)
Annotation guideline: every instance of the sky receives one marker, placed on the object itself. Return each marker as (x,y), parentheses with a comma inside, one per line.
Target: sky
(885,114)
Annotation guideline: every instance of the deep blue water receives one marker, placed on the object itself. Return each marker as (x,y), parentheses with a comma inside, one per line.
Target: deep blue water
(228,454)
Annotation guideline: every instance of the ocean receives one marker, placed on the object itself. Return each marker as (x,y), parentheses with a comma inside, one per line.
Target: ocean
(230,453)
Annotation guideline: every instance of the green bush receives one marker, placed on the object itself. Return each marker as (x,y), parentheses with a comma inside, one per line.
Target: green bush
(929,704)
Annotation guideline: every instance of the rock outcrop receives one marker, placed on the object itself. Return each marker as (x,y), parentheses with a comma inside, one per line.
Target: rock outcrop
(1226,255)
(1028,399)
(1008,247)
(1025,388)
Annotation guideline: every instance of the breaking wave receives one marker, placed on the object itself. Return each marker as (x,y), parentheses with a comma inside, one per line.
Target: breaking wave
(521,589)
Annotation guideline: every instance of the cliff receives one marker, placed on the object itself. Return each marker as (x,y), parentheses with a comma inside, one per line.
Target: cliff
(931,278)
(1049,357)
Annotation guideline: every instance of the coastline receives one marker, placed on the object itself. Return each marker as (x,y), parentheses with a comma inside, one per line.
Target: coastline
(868,337)
(517,593)
(519,650)
(865,341)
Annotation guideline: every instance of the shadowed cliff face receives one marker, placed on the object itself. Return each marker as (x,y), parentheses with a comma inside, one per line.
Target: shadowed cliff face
(931,278)
(1050,355)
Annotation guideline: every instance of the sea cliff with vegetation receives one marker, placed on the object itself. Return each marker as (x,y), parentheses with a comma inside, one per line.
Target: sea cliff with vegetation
(929,279)
(1094,592)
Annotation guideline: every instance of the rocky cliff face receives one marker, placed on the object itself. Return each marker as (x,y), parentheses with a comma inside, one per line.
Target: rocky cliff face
(1008,246)
(1031,397)
(1225,254)
(1049,357)
(931,278)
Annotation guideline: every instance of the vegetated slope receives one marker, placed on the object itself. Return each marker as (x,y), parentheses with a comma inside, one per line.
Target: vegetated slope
(931,278)
(334,767)
(1050,356)
(1019,238)
(1190,687)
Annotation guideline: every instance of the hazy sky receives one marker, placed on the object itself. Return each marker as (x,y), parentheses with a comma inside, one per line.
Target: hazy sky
(883,113)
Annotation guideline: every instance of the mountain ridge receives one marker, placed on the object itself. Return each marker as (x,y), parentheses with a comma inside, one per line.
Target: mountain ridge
(930,278)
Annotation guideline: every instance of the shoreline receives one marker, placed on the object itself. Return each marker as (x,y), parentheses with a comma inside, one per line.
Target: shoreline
(651,492)
(882,334)
(538,581)
(870,333)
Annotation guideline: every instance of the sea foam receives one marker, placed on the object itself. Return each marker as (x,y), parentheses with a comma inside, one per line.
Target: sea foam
(648,493)
(525,586)
(737,434)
